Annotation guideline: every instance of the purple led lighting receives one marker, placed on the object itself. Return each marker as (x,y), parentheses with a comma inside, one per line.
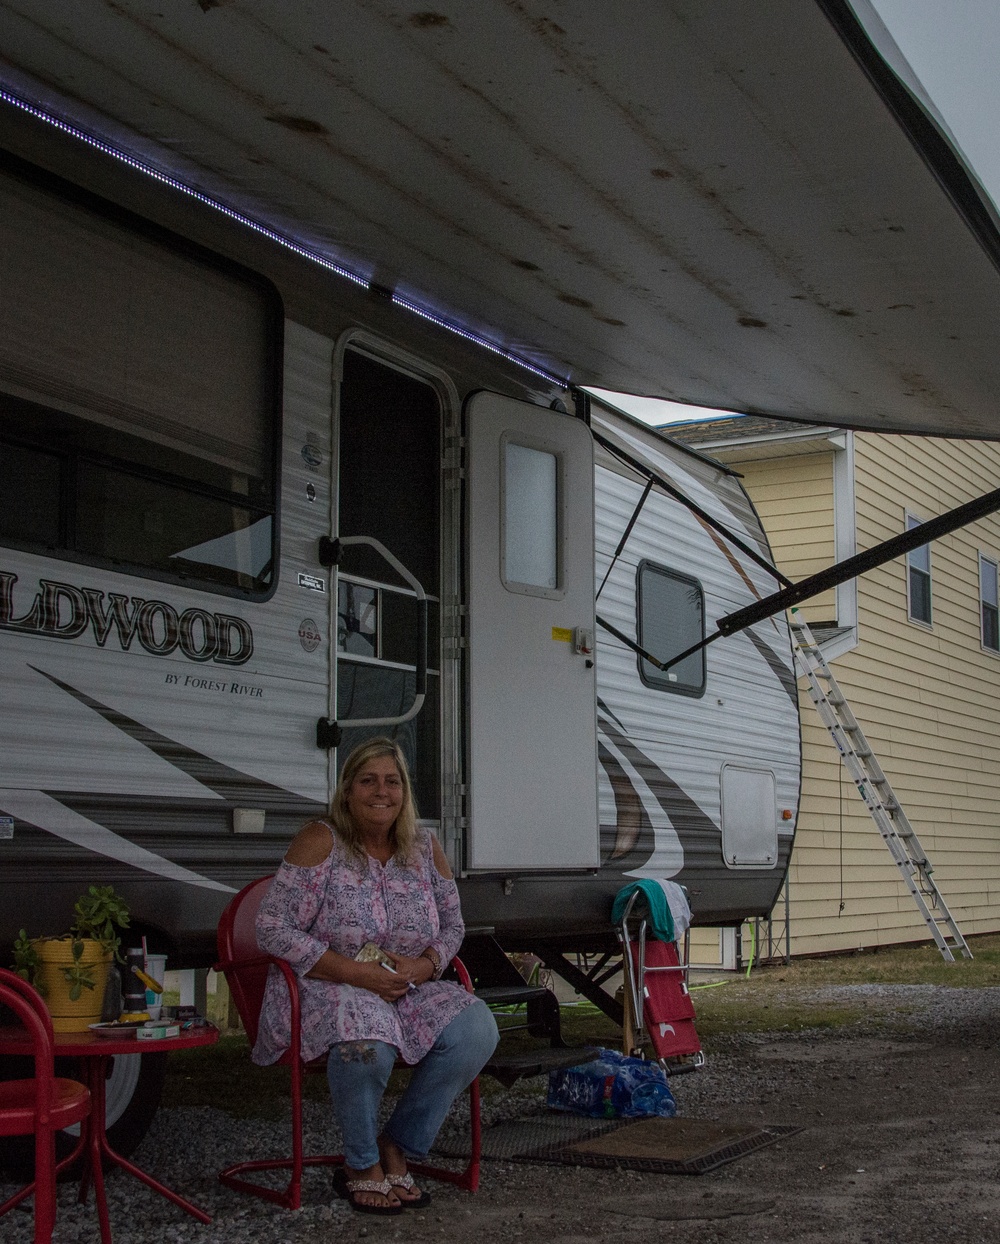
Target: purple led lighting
(116,153)
(415,309)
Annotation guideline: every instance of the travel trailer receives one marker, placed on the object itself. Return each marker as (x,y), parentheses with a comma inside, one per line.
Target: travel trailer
(236,543)
(252,516)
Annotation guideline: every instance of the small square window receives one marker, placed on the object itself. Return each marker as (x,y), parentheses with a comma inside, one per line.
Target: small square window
(918,578)
(989,614)
(671,609)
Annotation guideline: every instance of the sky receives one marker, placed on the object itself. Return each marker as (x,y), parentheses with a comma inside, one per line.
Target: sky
(953,47)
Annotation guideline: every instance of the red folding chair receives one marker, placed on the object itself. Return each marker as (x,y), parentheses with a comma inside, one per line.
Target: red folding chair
(41,1106)
(246,968)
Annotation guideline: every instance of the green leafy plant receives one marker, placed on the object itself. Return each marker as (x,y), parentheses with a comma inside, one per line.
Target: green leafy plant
(79,976)
(26,958)
(99,912)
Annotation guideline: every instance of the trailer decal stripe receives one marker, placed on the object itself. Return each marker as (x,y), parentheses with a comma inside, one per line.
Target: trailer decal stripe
(681,810)
(225,782)
(631,841)
(784,674)
(45,812)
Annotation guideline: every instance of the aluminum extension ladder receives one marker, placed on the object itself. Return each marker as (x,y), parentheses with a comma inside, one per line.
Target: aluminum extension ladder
(879,797)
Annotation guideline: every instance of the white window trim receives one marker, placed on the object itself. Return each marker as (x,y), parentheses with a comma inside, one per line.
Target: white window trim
(845,543)
(924,626)
(994,562)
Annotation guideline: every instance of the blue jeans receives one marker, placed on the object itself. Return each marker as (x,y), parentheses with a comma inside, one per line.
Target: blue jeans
(358,1072)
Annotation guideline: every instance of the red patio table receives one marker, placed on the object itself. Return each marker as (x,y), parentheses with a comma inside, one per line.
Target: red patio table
(95,1053)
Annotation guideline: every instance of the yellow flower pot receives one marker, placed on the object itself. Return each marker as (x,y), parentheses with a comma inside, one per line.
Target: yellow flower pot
(56,953)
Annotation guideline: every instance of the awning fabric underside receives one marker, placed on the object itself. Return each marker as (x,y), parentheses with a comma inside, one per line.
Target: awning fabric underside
(737,205)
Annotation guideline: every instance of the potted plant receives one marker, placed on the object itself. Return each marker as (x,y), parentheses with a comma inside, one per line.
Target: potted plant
(71,971)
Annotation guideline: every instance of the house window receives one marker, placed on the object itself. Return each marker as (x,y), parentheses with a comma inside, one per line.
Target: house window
(918,578)
(989,613)
(671,618)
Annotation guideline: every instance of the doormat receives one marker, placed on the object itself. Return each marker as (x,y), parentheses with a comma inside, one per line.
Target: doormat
(667,1146)
(659,1146)
(522,1138)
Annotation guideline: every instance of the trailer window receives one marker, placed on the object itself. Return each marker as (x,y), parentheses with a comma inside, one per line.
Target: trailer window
(530,544)
(671,617)
(139,389)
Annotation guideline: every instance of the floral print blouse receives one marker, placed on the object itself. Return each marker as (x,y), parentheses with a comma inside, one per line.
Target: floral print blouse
(340,904)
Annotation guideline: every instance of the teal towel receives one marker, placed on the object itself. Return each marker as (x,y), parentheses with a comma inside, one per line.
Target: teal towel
(660,919)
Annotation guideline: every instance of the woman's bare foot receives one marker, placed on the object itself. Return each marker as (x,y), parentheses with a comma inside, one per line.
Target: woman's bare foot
(409,1195)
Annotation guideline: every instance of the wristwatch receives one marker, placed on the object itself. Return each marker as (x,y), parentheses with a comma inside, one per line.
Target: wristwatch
(435,960)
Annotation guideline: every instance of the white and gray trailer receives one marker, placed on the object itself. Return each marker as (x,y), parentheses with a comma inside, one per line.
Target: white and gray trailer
(183,437)
(193,438)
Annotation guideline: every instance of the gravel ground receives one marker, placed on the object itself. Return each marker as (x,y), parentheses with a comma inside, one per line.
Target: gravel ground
(901,1143)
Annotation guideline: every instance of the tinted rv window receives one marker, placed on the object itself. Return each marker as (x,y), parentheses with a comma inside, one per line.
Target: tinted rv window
(138,396)
(671,617)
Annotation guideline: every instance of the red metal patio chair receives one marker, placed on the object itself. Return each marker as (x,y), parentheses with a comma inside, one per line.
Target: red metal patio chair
(246,968)
(40,1106)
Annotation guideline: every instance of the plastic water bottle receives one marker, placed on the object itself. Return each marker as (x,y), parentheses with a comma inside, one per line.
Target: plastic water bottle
(653,1098)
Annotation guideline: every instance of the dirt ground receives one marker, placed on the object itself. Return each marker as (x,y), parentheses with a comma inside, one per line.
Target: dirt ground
(899,1106)
(901,1142)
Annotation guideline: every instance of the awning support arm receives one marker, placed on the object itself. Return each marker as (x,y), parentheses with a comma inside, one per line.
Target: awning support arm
(871,558)
(695,509)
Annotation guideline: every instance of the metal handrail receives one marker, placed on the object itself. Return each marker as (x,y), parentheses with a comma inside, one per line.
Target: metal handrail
(330,550)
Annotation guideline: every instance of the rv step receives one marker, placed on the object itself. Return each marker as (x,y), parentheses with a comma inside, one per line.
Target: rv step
(509,1068)
(511,995)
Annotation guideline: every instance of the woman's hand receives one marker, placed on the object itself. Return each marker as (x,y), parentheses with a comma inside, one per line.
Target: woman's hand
(332,966)
(418,971)
(390,986)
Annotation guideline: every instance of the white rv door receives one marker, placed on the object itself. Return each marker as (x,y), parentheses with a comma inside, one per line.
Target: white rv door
(532,770)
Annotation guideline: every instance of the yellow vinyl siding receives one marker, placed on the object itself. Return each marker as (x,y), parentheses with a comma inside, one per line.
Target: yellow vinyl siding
(927,699)
(929,703)
(794,498)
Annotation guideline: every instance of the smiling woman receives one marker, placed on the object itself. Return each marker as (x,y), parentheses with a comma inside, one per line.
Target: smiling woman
(366,911)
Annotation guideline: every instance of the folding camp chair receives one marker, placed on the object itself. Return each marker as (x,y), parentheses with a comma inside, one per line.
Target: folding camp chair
(656,983)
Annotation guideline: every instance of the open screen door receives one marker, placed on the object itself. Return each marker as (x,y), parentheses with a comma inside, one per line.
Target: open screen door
(532,716)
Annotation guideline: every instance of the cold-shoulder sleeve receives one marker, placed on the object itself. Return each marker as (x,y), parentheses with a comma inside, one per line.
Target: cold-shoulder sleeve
(289,911)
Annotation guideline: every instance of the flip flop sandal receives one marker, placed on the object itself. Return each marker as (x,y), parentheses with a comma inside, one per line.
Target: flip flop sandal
(406,1183)
(347,1190)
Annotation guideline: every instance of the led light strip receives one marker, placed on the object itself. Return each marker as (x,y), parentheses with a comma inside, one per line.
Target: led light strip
(41,114)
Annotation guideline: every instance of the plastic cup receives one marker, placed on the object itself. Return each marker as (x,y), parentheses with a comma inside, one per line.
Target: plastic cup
(156,966)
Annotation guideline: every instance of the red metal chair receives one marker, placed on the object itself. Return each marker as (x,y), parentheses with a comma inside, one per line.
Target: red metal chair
(40,1106)
(246,969)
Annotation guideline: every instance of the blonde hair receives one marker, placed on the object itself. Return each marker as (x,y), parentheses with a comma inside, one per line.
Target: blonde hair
(403,834)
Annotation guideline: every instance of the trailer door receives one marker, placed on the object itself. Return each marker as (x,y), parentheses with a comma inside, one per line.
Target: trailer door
(532,769)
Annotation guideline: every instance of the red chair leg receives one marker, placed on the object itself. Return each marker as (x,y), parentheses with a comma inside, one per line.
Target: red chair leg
(45,1185)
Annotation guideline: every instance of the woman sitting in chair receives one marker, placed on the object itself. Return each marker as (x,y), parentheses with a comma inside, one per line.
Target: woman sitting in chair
(370,877)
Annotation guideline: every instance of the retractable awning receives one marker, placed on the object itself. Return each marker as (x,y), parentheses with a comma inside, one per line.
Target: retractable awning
(739,205)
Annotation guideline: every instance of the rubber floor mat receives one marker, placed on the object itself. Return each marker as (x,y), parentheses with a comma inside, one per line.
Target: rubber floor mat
(665,1146)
